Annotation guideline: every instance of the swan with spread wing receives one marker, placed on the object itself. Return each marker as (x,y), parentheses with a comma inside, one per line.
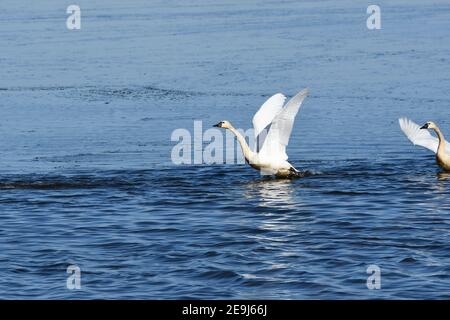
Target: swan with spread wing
(270,155)
(419,135)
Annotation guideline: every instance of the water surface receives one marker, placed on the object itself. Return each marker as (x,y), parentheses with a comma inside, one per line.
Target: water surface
(86,119)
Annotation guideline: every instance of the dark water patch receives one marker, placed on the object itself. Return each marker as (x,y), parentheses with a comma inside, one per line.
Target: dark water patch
(346,193)
(408,260)
(228,275)
(102,93)
(63,182)
(42,88)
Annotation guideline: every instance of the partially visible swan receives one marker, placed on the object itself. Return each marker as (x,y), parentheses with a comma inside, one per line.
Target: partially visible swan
(270,155)
(422,137)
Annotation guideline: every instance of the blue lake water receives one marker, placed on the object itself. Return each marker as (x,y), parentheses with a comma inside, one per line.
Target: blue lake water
(86,179)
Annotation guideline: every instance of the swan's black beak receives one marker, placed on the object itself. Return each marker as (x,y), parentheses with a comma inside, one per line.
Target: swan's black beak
(425,126)
(218,125)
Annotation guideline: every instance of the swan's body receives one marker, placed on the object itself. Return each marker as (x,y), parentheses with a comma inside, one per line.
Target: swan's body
(422,137)
(270,155)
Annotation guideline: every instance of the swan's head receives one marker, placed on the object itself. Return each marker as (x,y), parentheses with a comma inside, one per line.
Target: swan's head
(223,124)
(429,125)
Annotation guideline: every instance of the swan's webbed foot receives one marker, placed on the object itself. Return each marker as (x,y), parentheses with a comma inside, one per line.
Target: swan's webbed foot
(289,174)
(294,173)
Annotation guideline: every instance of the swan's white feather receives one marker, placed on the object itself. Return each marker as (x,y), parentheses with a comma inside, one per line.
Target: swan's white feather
(265,115)
(418,136)
(274,147)
(421,137)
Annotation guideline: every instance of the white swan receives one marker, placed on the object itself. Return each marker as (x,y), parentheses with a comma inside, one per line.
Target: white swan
(270,155)
(422,137)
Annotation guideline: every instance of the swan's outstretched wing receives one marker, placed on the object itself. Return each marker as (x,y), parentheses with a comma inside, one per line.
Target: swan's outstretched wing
(418,136)
(274,147)
(265,115)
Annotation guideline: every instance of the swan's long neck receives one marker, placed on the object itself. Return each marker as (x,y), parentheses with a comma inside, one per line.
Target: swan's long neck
(441,148)
(244,146)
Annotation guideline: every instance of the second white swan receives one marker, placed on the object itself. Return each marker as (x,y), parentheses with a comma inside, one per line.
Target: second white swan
(421,136)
